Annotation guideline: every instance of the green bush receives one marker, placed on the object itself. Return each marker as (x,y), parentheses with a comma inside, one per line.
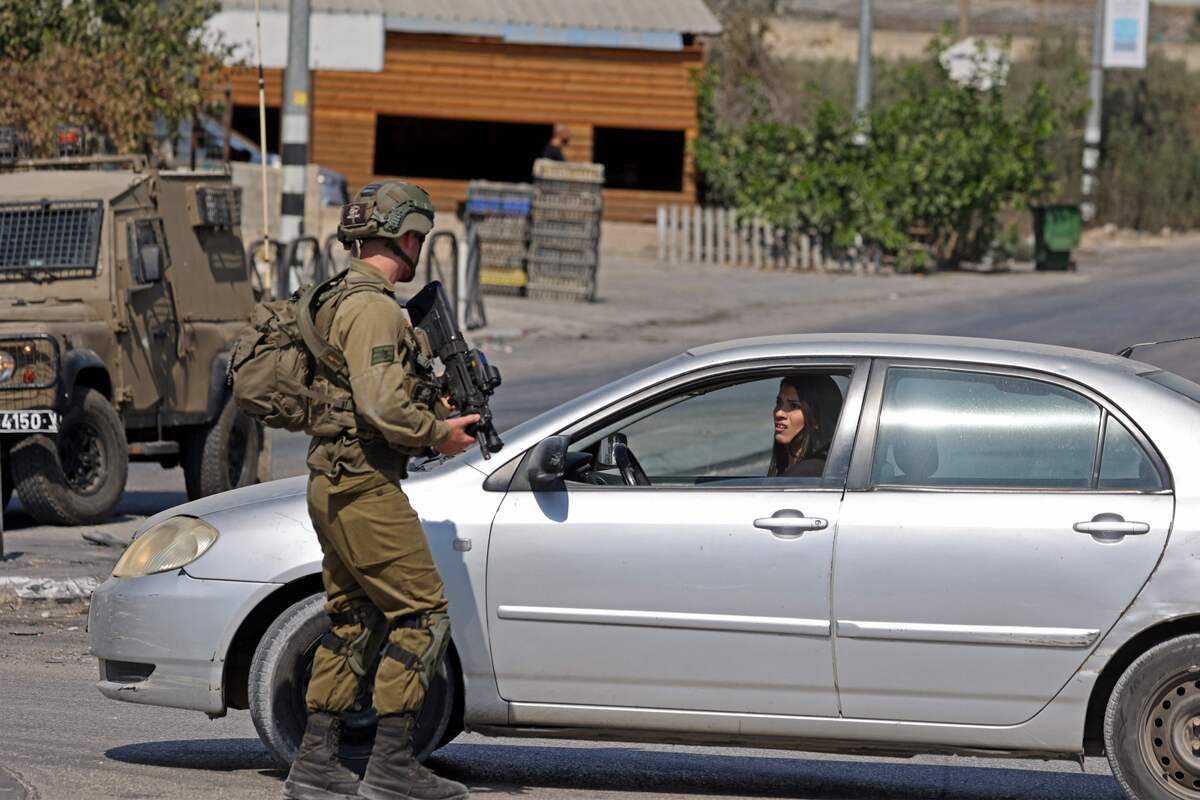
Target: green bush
(933,159)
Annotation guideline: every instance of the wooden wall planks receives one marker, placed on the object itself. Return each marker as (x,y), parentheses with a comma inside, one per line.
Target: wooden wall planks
(485,79)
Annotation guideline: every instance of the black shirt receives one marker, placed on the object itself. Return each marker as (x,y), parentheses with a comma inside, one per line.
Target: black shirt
(552,152)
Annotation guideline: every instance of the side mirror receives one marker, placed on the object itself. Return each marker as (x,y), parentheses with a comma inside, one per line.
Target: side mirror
(548,463)
(608,454)
(150,257)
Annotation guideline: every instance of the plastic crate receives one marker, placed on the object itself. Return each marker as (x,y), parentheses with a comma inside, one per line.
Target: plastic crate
(579,171)
(508,262)
(581,227)
(568,187)
(548,253)
(491,276)
(489,197)
(501,248)
(510,228)
(568,201)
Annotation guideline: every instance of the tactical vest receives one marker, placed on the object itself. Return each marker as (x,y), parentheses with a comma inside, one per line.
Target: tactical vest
(338,417)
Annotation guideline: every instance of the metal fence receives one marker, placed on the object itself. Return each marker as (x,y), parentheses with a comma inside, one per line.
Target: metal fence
(708,235)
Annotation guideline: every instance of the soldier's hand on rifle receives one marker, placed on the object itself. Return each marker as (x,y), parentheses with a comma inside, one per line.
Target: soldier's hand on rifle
(459,438)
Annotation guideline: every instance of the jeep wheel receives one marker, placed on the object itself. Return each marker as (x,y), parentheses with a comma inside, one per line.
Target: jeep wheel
(222,455)
(6,481)
(75,477)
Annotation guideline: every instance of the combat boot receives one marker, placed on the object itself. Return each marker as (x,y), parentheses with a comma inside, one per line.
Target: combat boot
(316,774)
(393,773)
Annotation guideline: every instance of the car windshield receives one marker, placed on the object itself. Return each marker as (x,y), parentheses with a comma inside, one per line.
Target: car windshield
(1175,383)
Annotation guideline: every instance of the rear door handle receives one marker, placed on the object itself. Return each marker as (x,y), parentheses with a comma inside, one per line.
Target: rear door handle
(788,523)
(1111,527)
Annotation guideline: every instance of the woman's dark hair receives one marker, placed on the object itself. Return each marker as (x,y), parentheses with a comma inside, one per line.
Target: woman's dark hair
(821,401)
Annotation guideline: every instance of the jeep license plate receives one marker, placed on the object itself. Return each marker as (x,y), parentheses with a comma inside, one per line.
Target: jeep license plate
(28,422)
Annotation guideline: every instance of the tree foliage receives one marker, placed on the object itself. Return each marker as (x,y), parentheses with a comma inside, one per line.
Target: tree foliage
(934,159)
(116,67)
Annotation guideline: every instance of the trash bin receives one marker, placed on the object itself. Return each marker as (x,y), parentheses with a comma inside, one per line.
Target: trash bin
(1056,232)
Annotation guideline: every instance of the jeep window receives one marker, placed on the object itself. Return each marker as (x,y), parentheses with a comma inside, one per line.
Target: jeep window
(147,255)
(44,240)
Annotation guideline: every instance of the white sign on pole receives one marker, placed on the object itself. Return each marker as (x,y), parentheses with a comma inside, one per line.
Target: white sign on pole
(1126,23)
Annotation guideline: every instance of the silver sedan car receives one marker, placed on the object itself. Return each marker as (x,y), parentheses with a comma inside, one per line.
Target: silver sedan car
(999,555)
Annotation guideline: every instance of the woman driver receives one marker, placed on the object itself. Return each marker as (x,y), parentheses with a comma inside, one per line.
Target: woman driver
(806,414)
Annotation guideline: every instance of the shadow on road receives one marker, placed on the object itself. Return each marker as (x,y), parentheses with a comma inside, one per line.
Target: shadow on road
(134,504)
(215,755)
(509,769)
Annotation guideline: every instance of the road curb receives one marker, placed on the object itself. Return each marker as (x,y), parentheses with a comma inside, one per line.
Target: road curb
(61,590)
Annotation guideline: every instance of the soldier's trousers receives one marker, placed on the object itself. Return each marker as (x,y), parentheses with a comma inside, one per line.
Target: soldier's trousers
(380,579)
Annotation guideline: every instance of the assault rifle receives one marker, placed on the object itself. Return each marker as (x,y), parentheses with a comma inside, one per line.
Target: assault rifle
(468,378)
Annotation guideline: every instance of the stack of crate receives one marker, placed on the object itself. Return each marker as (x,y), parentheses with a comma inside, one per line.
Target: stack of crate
(564,249)
(498,214)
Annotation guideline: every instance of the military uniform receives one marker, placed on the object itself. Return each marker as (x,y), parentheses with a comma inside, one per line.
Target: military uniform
(374,404)
(377,562)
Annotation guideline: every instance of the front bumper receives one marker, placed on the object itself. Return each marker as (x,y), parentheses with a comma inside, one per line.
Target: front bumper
(162,639)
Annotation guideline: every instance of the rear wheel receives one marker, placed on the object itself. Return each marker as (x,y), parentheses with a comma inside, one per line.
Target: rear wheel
(77,476)
(222,455)
(1152,724)
(279,674)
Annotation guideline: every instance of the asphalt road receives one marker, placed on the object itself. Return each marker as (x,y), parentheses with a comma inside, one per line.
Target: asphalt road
(60,739)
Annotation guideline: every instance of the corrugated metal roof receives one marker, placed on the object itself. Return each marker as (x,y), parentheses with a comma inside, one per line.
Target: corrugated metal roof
(665,16)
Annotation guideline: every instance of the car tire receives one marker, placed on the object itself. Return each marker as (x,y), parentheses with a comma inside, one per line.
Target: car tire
(1148,724)
(77,476)
(222,455)
(279,673)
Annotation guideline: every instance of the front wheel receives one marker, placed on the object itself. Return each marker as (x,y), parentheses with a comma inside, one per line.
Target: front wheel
(77,476)
(222,455)
(279,674)
(1152,723)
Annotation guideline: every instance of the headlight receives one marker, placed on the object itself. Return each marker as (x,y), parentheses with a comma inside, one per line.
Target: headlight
(7,365)
(169,545)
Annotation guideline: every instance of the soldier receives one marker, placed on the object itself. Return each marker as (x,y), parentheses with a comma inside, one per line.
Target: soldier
(379,575)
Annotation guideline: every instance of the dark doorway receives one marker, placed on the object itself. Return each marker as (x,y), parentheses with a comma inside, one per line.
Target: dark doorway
(634,158)
(245,122)
(419,147)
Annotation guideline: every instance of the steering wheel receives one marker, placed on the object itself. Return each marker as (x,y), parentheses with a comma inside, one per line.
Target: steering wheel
(631,471)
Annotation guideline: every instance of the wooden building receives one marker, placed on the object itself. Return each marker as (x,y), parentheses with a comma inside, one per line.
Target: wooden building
(442,92)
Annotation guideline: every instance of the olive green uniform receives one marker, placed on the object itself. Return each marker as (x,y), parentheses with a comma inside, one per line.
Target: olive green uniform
(378,571)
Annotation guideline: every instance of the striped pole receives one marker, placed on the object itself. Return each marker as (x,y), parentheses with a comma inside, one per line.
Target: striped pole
(294,147)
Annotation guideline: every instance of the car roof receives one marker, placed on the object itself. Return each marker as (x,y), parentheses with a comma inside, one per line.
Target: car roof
(68,184)
(919,346)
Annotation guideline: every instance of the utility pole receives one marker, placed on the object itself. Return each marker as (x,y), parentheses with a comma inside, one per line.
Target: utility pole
(1091,131)
(964,19)
(294,145)
(862,88)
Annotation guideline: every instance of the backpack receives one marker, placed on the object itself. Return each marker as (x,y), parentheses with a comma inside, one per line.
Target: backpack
(272,367)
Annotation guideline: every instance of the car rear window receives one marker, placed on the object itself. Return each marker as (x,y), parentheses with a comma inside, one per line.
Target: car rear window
(1176,384)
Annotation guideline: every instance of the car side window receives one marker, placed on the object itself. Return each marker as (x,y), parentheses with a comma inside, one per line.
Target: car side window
(723,435)
(949,428)
(1124,464)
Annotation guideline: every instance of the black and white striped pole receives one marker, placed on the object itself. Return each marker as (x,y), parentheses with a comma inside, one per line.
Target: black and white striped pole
(294,145)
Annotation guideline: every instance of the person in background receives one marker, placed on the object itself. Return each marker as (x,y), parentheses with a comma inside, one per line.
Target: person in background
(558,140)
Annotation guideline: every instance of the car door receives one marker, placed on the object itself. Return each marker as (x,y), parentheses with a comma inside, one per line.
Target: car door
(688,593)
(997,524)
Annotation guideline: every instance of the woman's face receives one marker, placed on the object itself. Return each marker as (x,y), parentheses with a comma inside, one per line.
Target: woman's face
(789,419)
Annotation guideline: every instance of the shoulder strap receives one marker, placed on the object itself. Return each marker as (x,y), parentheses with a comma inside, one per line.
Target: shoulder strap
(317,344)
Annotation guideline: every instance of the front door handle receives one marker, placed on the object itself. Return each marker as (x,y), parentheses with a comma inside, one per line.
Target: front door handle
(788,523)
(1110,527)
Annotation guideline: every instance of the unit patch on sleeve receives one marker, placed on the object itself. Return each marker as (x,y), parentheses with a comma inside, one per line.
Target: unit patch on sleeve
(384,354)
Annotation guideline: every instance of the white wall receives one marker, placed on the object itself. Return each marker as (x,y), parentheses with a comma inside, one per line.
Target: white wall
(350,42)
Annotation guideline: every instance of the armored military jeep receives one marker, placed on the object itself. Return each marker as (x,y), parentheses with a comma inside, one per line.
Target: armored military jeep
(121,290)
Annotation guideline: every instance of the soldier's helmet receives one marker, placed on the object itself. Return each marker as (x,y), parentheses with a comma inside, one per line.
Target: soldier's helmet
(386,210)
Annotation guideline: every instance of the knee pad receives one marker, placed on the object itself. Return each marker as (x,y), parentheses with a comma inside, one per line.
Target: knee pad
(425,664)
(360,650)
